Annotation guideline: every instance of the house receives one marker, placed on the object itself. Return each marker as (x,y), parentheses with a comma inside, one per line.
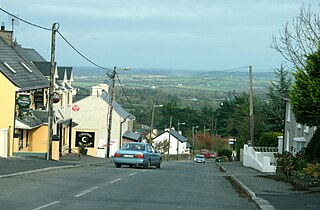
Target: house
(178,143)
(296,136)
(92,113)
(23,118)
(63,78)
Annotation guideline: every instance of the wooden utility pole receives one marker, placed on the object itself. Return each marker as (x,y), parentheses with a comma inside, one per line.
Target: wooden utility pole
(51,90)
(251,110)
(152,118)
(169,138)
(113,77)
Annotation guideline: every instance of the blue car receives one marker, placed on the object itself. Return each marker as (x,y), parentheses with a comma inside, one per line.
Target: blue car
(137,154)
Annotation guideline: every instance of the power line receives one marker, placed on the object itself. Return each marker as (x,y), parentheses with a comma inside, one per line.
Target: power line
(124,92)
(27,22)
(82,55)
(49,29)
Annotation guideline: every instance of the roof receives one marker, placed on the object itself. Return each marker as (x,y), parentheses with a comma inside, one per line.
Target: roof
(174,133)
(29,54)
(20,71)
(44,67)
(132,136)
(121,111)
(65,71)
(31,119)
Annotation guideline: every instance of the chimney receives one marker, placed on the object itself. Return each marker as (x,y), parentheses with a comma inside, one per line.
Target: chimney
(6,35)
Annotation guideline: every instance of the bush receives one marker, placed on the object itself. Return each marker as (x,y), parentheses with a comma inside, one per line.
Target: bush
(224,152)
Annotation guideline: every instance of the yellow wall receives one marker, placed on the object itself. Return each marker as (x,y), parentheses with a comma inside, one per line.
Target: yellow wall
(7,97)
(38,139)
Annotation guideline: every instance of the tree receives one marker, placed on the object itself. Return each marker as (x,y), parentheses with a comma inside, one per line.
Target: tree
(305,99)
(299,38)
(305,96)
(275,110)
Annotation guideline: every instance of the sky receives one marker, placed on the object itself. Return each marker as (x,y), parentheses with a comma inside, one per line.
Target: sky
(167,34)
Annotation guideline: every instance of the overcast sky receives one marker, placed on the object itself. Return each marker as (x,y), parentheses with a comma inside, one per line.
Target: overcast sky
(170,34)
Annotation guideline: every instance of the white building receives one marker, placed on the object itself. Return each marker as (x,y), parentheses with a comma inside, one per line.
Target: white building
(92,116)
(178,143)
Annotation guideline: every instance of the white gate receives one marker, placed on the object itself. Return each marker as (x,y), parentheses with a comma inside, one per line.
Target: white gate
(4,138)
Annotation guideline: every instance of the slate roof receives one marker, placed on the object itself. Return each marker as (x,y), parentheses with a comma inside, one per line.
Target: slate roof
(121,111)
(44,67)
(62,70)
(174,133)
(132,136)
(29,54)
(22,77)
(31,119)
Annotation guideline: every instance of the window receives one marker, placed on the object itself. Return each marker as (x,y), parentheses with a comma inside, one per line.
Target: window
(26,67)
(9,67)
(20,139)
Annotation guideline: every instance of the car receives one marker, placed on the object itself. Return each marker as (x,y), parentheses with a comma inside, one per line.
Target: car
(199,159)
(137,154)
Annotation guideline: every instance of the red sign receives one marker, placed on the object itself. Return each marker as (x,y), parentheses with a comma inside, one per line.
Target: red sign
(75,108)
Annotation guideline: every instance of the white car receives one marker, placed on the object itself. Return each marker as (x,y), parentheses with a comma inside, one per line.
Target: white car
(199,159)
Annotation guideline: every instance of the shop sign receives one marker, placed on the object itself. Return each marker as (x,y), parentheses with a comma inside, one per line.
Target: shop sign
(85,138)
(24,101)
(38,97)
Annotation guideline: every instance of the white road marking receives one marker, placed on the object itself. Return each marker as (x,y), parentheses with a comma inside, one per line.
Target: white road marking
(132,174)
(116,180)
(86,192)
(47,205)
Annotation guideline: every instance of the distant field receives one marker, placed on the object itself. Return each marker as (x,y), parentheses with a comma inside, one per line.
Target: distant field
(191,88)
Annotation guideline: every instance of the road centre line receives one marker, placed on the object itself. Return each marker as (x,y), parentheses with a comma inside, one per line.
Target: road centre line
(116,180)
(132,174)
(47,205)
(86,192)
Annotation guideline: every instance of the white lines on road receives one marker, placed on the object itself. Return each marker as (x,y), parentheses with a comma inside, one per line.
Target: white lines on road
(116,180)
(132,174)
(86,192)
(47,205)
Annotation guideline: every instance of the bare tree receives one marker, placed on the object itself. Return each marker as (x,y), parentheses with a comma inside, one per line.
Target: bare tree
(299,38)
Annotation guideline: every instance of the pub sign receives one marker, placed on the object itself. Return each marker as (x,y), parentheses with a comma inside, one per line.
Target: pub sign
(85,138)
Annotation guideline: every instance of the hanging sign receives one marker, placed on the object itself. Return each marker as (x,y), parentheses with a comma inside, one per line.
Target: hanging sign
(24,101)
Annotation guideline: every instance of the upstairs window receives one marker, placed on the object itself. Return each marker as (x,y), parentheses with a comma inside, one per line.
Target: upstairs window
(26,67)
(9,67)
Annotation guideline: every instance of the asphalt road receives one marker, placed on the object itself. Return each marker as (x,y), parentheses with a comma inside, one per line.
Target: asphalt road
(177,185)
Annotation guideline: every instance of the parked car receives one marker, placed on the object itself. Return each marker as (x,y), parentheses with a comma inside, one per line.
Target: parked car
(210,155)
(199,159)
(137,154)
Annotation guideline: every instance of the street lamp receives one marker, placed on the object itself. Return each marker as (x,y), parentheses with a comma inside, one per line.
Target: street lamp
(179,123)
(152,118)
(193,136)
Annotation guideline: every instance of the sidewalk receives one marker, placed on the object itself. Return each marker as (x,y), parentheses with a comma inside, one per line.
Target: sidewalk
(257,185)
(21,165)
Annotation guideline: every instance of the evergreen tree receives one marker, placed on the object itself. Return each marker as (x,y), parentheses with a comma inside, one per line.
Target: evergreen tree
(275,110)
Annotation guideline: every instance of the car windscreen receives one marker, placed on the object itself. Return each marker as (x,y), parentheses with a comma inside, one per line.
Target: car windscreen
(140,147)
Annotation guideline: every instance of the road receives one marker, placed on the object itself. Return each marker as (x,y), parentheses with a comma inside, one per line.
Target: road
(177,185)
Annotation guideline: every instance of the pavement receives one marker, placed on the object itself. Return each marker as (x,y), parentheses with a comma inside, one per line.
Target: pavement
(253,183)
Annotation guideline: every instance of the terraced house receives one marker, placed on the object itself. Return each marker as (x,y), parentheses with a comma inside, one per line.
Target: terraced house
(23,90)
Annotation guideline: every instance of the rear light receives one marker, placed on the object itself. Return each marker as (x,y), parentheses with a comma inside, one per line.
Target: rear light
(139,156)
(117,155)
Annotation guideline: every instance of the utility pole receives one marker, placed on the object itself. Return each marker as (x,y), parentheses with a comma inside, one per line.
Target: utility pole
(51,89)
(152,118)
(169,138)
(251,110)
(113,77)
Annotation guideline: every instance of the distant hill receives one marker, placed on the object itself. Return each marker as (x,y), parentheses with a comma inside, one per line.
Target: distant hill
(95,71)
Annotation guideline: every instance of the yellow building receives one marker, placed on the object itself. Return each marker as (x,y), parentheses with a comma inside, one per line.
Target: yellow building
(23,119)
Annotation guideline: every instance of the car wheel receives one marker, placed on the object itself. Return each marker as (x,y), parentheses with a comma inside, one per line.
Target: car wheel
(118,166)
(159,164)
(130,166)
(148,165)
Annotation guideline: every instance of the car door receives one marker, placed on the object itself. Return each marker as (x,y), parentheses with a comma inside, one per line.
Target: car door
(152,154)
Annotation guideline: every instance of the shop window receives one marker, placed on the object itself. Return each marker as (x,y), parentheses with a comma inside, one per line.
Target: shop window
(20,139)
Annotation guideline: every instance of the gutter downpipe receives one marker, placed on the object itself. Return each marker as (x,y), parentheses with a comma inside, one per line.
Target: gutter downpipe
(120,139)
